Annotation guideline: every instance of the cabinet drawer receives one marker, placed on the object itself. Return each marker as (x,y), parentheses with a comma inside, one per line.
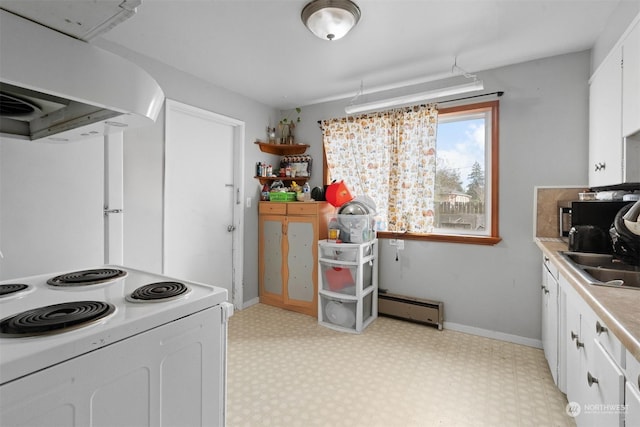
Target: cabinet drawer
(273,208)
(604,402)
(302,208)
(611,344)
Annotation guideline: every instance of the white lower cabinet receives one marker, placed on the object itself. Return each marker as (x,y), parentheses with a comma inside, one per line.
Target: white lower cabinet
(632,403)
(632,391)
(595,359)
(549,293)
(605,406)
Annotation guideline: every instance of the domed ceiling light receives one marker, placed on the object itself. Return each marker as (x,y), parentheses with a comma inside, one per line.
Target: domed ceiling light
(330,19)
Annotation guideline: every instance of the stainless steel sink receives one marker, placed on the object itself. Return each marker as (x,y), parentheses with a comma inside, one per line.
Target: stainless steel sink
(604,270)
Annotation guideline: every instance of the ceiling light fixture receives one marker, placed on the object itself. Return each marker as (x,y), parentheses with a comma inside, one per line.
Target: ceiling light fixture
(330,19)
(415,97)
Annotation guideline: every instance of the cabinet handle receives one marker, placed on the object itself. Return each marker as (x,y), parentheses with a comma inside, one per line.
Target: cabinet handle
(638,381)
(573,336)
(579,344)
(599,328)
(591,379)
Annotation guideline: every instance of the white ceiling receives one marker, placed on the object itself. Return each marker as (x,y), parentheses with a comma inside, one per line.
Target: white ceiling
(261,49)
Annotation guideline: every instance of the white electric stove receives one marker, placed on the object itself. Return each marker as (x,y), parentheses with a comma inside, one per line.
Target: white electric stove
(112,346)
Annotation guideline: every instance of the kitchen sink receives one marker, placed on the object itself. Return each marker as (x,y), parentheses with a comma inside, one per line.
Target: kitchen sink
(604,270)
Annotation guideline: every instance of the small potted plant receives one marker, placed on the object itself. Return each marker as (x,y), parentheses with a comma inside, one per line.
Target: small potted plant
(287,124)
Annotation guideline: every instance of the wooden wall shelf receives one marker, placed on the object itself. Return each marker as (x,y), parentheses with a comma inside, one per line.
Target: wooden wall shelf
(269,179)
(282,149)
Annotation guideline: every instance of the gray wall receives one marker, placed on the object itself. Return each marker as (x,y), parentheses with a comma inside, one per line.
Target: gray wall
(618,22)
(495,290)
(144,157)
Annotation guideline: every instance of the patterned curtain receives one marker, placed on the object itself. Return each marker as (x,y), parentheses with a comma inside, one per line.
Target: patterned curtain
(390,157)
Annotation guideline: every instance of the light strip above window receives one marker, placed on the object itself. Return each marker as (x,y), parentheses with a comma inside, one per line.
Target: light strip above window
(415,98)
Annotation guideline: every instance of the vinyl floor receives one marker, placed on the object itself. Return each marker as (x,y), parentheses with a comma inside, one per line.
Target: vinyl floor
(286,370)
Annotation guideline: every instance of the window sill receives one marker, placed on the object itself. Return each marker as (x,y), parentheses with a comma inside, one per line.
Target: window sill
(446,238)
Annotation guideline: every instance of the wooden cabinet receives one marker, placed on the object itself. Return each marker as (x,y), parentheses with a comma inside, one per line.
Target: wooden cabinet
(288,253)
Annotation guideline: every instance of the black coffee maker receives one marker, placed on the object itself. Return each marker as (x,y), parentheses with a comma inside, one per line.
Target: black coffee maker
(589,238)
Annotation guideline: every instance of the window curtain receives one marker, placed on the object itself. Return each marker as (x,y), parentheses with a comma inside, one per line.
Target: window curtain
(390,157)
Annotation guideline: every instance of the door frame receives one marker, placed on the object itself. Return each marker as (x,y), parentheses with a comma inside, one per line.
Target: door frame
(236,297)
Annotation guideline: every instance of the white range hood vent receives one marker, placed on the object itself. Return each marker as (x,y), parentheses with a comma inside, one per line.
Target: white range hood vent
(68,89)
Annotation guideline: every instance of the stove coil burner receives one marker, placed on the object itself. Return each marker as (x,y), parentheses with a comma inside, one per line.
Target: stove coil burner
(11,288)
(54,318)
(159,291)
(87,277)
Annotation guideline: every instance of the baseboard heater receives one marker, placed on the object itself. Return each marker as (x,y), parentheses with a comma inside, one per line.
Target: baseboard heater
(412,309)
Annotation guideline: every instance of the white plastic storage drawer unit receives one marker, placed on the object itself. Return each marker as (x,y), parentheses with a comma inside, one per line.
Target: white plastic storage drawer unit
(348,285)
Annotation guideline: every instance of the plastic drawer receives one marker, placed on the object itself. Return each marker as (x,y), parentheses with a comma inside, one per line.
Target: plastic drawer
(343,313)
(343,278)
(343,252)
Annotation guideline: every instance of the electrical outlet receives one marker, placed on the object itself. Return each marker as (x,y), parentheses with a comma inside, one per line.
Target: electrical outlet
(399,244)
(248,202)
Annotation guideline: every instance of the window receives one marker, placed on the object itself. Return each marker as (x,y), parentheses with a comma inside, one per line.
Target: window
(454,195)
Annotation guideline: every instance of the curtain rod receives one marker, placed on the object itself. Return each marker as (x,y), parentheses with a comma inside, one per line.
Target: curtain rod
(499,93)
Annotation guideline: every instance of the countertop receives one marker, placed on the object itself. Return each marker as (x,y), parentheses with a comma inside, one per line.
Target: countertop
(618,308)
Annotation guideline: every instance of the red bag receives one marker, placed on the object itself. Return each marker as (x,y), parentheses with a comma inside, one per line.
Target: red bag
(337,194)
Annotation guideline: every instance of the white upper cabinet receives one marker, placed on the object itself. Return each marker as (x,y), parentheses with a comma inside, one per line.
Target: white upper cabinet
(614,114)
(631,82)
(605,110)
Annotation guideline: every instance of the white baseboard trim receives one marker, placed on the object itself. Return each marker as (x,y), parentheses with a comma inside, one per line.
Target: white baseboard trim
(251,302)
(493,334)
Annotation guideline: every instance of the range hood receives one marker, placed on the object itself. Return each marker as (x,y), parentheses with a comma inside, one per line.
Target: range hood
(56,88)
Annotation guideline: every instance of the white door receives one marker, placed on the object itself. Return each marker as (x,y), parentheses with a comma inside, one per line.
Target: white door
(202,197)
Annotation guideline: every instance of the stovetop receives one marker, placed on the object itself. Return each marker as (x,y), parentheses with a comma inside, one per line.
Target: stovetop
(128,301)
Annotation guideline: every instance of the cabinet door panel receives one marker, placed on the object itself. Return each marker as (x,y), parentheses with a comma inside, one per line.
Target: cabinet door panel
(301,258)
(632,400)
(631,82)
(605,128)
(272,255)
(574,354)
(607,407)
(550,326)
